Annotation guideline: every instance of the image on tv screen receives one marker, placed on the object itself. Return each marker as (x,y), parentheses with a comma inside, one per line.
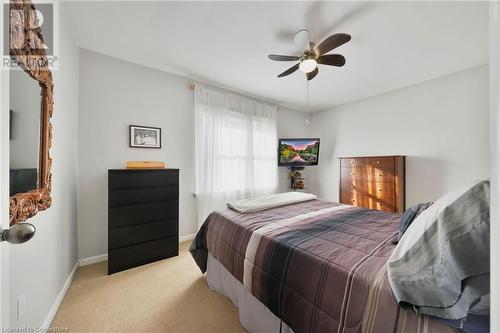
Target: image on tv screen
(298,151)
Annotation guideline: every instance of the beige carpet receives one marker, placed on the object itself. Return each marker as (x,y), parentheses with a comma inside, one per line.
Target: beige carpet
(167,296)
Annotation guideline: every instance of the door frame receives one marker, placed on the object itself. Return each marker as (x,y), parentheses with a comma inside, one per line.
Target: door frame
(4,195)
(495,160)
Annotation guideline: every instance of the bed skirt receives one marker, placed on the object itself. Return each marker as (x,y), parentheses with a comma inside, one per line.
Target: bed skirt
(255,317)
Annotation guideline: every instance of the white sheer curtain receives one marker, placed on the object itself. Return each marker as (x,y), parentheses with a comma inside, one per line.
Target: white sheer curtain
(236,142)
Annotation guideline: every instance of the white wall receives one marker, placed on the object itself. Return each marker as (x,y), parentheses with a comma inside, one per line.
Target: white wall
(40,267)
(115,94)
(441,125)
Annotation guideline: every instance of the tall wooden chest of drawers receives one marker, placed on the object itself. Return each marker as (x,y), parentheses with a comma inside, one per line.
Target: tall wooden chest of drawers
(143,217)
(375,182)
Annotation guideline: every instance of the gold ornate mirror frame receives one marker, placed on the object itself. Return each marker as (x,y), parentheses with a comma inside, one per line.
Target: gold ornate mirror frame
(26,48)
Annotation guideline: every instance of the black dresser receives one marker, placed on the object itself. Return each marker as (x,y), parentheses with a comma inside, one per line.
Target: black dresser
(143,217)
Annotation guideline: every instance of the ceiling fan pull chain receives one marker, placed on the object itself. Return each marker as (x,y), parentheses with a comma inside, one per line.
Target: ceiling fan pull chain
(307,99)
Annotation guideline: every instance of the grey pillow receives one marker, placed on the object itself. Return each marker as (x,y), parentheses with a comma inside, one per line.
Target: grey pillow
(408,216)
(441,265)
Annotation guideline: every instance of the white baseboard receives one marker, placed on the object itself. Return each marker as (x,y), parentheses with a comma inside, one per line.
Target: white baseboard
(187,237)
(59,299)
(93,260)
(104,256)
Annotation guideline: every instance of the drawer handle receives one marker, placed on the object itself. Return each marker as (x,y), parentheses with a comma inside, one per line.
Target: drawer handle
(353,200)
(378,162)
(353,174)
(380,190)
(352,186)
(380,175)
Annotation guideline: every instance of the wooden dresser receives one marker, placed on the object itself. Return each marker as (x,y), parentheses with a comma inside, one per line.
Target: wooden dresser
(143,217)
(375,182)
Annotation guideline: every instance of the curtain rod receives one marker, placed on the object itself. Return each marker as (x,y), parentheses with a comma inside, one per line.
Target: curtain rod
(192,85)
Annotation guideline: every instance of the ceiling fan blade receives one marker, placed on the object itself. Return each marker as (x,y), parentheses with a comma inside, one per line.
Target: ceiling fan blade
(331,42)
(312,74)
(289,70)
(278,57)
(332,60)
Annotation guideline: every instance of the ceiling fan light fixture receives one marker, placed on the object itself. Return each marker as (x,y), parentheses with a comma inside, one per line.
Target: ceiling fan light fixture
(314,55)
(308,65)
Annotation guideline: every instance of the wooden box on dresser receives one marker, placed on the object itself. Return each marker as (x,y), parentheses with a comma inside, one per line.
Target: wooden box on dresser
(143,217)
(375,182)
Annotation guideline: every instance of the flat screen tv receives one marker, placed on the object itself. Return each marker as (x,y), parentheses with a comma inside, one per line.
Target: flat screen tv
(298,152)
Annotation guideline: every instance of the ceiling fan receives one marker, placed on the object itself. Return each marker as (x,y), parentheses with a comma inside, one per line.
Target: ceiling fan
(314,55)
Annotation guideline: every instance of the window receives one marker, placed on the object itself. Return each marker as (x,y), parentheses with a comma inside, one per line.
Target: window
(236,144)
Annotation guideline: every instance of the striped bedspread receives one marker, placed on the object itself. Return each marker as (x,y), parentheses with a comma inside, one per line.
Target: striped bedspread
(319,266)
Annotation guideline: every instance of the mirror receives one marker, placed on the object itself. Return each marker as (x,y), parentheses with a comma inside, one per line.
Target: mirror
(25,111)
(31,104)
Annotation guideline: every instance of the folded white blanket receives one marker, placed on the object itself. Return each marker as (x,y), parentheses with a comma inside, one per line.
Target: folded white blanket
(269,201)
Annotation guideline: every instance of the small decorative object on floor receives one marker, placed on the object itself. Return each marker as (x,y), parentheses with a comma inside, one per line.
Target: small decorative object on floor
(297,182)
(144,137)
(145,165)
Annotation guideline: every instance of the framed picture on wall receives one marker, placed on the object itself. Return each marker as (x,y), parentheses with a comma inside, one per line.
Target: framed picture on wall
(144,137)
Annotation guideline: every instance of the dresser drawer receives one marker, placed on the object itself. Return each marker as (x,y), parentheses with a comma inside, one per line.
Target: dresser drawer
(380,204)
(124,197)
(125,236)
(353,174)
(352,162)
(380,162)
(376,189)
(352,199)
(368,175)
(138,214)
(140,254)
(380,175)
(368,202)
(119,179)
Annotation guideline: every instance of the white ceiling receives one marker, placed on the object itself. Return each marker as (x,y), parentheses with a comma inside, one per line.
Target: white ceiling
(394,44)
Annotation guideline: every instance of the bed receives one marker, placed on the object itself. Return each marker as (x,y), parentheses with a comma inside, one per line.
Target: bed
(313,266)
